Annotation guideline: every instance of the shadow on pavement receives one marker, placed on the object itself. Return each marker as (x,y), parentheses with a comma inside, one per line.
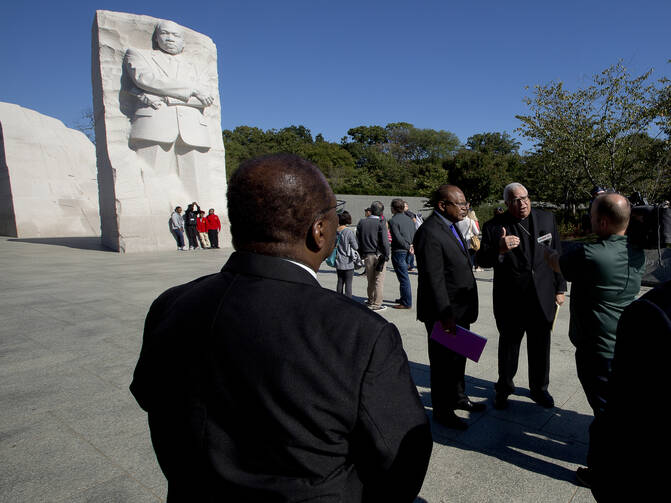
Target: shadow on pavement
(506,434)
(81,243)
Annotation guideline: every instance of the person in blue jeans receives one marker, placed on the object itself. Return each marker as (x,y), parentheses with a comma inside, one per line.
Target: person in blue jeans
(402,230)
(177,227)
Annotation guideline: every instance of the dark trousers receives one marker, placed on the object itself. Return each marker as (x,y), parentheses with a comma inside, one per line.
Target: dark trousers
(593,373)
(179,237)
(399,261)
(213,234)
(192,235)
(447,374)
(345,281)
(538,331)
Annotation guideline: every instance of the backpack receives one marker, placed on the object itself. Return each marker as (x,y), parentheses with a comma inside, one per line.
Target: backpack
(331,259)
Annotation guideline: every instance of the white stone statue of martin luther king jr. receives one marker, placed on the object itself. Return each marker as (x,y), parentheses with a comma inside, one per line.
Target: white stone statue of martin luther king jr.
(169,129)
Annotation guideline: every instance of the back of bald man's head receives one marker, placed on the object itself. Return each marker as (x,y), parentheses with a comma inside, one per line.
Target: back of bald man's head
(613,207)
(274,200)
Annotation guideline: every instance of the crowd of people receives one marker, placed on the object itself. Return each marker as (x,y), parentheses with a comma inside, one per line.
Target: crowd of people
(287,391)
(378,241)
(201,230)
(521,244)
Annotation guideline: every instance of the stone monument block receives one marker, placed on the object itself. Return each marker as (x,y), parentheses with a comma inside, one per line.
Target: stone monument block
(47,177)
(158,128)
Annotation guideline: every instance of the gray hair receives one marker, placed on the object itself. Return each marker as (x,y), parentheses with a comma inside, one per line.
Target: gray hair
(508,189)
(376,208)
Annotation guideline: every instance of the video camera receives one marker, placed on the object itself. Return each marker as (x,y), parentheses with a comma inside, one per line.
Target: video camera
(649,225)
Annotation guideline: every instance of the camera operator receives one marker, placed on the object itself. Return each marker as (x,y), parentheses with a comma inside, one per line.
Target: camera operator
(605,278)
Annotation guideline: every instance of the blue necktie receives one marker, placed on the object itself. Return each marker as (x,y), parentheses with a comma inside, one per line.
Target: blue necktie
(456,235)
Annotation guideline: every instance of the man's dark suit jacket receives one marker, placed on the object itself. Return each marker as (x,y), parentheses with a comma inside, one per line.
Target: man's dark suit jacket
(445,284)
(627,439)
(262,386)
(514,274)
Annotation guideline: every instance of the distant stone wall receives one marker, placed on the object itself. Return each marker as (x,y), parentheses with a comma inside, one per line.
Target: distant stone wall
(356,204)
(48,182)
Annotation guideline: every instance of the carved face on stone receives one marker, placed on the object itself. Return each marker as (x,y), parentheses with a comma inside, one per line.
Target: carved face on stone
(169,37)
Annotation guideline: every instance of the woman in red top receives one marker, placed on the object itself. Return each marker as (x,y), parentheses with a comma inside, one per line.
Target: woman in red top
(213,228)
(202,228)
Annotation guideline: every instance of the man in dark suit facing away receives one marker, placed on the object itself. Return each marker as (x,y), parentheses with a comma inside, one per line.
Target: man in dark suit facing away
(261,386)
(526,291)
(447,293)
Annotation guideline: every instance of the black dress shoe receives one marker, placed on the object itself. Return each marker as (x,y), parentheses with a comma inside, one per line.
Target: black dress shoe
(401,306)
(450,420)
(501,402)
(584,476)
(543,398)
(470,406)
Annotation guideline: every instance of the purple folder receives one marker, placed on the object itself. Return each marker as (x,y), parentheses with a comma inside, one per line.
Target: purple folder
(464,342)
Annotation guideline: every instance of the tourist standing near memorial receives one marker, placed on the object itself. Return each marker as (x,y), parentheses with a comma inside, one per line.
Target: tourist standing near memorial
(372,236)
(201,227)
(213,228)
(402,230)
(446,293)
(259,384)
(470,229)
(605,278)
(177,227)
(413,217)
(344,263)
(191,223)
(526,291)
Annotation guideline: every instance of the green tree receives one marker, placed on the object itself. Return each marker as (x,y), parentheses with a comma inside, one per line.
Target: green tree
(367,135)
(586,137)
(486,163)
(493,143)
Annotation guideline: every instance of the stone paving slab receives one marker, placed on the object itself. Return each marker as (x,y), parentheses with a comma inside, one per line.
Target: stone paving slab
(71,317)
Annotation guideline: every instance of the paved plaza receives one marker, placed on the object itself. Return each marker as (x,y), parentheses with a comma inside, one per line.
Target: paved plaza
(71,317)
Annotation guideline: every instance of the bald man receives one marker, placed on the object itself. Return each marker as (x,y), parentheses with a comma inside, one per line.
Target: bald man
(605,278)
(283,391)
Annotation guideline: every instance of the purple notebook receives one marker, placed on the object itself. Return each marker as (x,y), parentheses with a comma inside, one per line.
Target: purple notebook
(464,342)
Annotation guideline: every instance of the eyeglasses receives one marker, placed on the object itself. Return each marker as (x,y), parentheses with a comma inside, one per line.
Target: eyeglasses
(461,205)
(518,200)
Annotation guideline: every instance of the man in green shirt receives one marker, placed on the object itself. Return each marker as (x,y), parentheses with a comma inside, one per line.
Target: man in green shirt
(605,278)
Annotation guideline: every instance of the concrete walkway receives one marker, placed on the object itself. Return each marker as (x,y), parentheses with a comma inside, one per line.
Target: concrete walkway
(71,317)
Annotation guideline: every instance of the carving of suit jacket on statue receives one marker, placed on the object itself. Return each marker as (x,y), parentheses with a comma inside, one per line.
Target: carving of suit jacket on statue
(169,89)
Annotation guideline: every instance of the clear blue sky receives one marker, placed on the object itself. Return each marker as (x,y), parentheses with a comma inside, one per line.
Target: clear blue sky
(332,65)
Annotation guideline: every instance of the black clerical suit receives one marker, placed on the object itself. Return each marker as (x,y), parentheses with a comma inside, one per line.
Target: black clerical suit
(261,386)
(524,292)
(445,288)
